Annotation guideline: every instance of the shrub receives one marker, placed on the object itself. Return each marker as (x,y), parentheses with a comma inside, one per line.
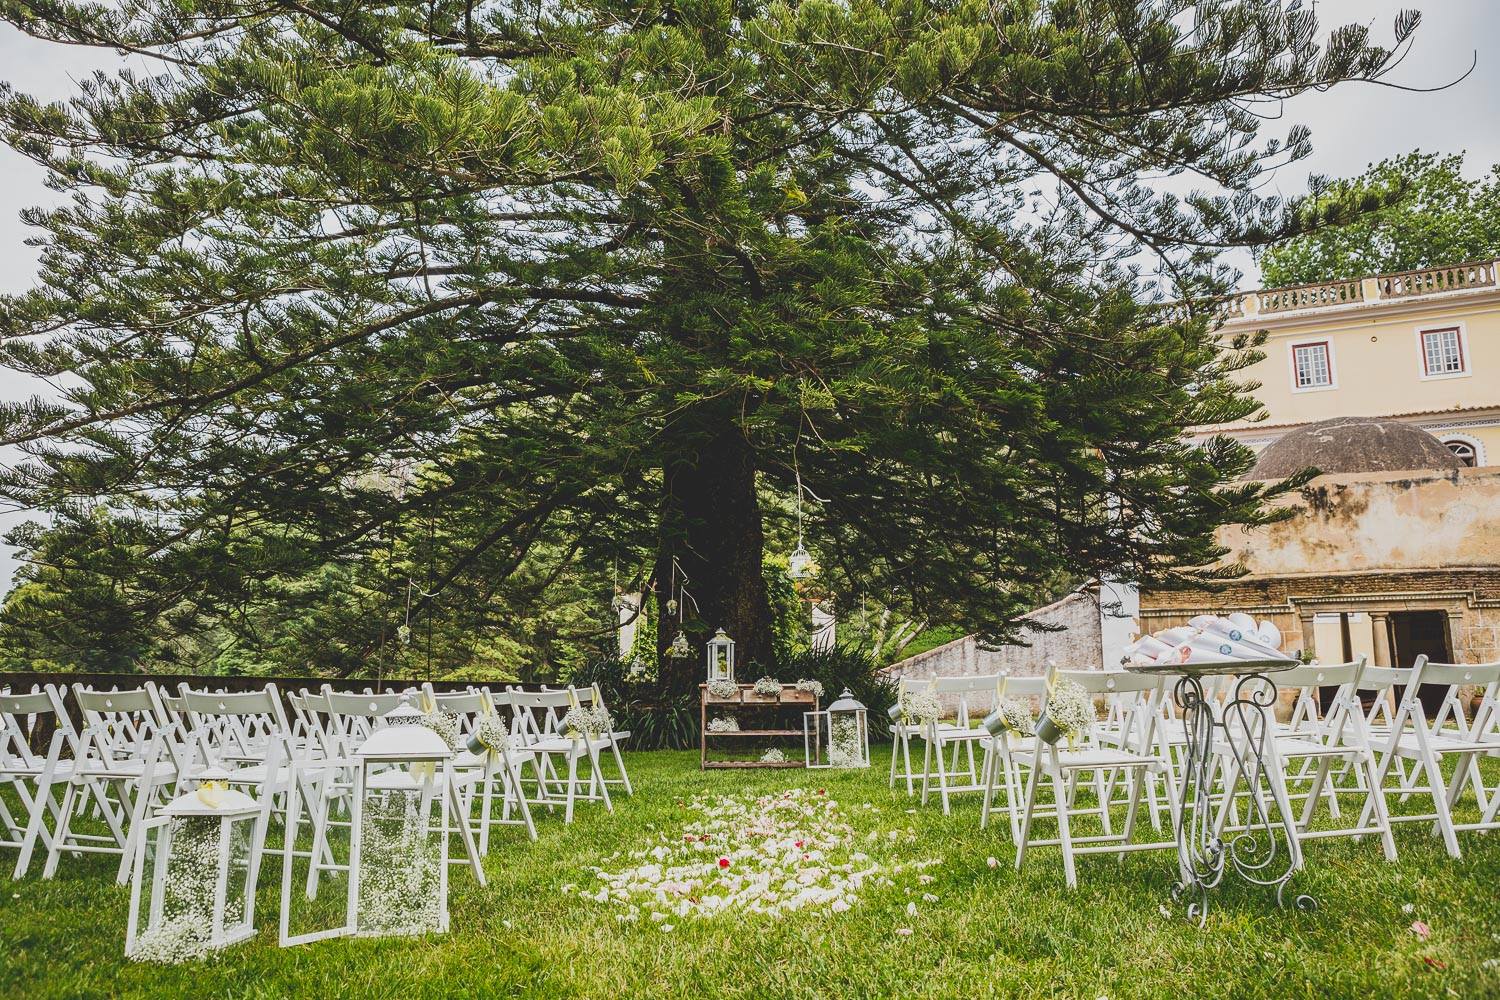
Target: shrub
(848,667)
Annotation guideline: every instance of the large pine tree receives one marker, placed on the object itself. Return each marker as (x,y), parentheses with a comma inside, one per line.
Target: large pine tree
(612,278)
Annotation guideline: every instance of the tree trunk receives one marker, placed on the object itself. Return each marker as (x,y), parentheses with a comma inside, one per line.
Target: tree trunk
(710,520)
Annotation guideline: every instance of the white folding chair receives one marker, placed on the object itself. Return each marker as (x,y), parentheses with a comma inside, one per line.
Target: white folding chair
(1426,743)
(957,738)
(902,731)
(246,733)
(499,770)
(999,760)
(34,779)
(538,717)
(1335,736)
(1061,765)
(593,696)
(126,761)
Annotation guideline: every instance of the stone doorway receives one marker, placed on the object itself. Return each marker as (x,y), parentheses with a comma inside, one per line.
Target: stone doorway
(1414,633)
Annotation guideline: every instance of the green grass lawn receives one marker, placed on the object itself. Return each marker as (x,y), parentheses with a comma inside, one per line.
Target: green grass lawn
(991,932)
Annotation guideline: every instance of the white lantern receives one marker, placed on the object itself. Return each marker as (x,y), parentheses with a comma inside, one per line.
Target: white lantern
(205,849)
(848,733)
(799,563)
(721,657)
(838,736)
(405,806)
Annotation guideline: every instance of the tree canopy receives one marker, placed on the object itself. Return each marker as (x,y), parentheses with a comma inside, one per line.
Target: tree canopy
(1436,216)
(591,285)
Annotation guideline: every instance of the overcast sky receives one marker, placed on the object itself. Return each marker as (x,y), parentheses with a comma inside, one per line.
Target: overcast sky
(1352,125)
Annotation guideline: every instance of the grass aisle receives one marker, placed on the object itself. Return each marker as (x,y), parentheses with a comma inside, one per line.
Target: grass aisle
(991,932)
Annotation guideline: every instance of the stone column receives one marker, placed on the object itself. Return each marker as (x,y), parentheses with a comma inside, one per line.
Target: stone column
(1309,642)
(1380,624)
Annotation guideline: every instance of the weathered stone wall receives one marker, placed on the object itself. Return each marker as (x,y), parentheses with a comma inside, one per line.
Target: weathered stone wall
(1363,522)
(1075,646)
(1374,542)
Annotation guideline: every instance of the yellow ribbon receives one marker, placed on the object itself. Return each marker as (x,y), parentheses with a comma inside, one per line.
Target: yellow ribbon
(1000,683)
(423,771)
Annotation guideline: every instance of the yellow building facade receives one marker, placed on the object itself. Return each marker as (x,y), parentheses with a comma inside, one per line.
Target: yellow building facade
(1422,347)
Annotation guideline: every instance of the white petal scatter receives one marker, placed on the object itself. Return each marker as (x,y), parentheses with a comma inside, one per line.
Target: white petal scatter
(769,854)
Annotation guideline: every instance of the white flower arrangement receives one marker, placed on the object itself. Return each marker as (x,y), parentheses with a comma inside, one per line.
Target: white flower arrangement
(188,895)
(922,707)
(816,687)
(593,721)
(844,746)
(722,689)
(724,724)
(491,735)
(767,686)
(445,724)
(773,756)
(1017,717)
(398,867)
(1070,709)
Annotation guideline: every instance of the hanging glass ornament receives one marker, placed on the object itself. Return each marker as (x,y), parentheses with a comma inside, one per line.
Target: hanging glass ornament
(672,606)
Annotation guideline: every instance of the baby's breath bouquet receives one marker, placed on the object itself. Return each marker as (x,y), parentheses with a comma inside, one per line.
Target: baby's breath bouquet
(816,687)
(1069,713)
(591,721)
(490,736)
(722,689)
(445,724)
(724,724)
(768,687)
(1011,716)
(922,707)
(773,756)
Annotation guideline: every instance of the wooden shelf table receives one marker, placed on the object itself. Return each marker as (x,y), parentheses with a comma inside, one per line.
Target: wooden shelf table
(788,699)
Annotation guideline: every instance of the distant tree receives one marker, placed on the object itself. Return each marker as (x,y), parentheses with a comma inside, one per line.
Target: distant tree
(1436,216)
(615,272)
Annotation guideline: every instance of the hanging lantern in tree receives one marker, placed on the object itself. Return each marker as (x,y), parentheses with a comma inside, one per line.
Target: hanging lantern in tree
(848,733)
(204,849)
(721,657)
(405,807)
(799,563)
(680,650)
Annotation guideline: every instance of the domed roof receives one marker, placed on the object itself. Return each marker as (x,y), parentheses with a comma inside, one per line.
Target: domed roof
(1353,444)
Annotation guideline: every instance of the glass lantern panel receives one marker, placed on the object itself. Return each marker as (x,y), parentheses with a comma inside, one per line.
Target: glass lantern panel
(180,878)
(238,891)
(846,746)
(400,864)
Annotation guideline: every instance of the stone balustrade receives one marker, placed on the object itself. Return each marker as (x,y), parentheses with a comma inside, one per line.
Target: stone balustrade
(1377,288)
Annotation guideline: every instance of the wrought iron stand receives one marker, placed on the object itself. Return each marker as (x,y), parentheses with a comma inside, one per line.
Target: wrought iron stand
(1265,851)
